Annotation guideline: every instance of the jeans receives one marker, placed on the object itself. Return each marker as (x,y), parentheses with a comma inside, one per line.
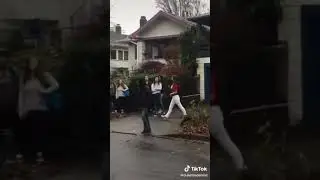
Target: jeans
(145,120)
(219,132)
(161,101)
(175,101)
(156,102)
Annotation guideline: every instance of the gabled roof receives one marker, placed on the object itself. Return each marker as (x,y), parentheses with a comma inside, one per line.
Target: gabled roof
(174,18)
(114,36)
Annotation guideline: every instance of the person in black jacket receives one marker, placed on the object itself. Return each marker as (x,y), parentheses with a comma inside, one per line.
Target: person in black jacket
(146,103)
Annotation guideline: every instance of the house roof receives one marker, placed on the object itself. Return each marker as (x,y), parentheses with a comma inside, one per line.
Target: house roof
(174,18)
(114,36)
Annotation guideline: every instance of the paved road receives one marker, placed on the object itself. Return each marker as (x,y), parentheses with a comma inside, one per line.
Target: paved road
(150,158)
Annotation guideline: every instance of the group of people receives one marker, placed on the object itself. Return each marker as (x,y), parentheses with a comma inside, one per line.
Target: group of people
(24,107)
(149,92)
(120,91)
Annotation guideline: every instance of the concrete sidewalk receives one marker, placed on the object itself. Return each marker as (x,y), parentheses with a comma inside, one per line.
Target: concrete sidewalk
(132,124)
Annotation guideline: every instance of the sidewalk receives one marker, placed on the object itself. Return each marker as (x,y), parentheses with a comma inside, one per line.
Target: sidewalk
(132,124)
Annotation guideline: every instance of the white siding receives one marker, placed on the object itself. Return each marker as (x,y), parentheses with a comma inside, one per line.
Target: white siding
(200,72)
(163,27)
(289,30)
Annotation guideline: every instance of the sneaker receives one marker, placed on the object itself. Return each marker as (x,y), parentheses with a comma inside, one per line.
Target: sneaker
(40,158)
(164,117)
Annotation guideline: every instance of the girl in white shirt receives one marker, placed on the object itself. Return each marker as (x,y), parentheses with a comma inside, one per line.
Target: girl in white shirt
(32,108)
(156,88)
(121,96)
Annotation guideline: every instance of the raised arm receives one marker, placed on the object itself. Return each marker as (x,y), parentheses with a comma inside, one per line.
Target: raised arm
(53,83)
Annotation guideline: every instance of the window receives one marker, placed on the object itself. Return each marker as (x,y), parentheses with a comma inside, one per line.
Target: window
(126,55)
(113,54)
(120,55)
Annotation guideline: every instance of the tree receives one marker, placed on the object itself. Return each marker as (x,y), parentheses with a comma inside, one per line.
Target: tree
(183,8)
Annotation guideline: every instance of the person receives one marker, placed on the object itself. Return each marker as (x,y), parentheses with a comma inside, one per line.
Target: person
(146,103)
(32,108)
(9,83)
(112,96)
(161,93)
(156,88)
(216,125)
(121,96)
(148,83)
(175,99)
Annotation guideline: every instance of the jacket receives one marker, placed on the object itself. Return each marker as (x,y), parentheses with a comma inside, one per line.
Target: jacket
(145,95)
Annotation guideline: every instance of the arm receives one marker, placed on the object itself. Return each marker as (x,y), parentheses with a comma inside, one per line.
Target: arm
(160,87)
(125,88)
(53,84)
(174,90)
(152,87)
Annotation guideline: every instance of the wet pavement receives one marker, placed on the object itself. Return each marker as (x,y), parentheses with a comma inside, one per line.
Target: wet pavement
(150,158)
(133,124)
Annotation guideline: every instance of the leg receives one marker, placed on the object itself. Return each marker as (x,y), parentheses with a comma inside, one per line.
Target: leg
(220,134)
(172,103)
(161,101)
(145,119)
(176,98)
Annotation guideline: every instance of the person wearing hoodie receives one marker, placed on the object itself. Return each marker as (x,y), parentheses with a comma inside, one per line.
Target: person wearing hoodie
(146,103)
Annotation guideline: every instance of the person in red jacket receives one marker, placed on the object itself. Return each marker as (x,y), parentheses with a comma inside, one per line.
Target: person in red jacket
(217,129)
(175,89)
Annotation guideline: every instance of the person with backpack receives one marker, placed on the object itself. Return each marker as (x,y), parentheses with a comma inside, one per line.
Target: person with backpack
(121,96)
(175,99)
(33,110)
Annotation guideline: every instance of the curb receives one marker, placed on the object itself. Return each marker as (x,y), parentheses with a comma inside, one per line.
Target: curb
(172,136)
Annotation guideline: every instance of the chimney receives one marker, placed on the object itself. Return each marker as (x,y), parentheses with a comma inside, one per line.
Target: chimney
(143,21)
(118,29)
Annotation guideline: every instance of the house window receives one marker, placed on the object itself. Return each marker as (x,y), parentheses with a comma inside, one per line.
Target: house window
(126,55)
(113,54)
(120,55)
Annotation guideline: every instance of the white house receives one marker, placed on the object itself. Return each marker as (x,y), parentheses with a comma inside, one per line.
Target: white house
(119,51)
(150,40)
(300,27)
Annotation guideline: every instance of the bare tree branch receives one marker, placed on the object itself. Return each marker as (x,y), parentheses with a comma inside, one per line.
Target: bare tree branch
(183,8)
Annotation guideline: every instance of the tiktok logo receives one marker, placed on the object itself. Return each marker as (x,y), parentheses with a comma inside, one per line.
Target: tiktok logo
(186,169)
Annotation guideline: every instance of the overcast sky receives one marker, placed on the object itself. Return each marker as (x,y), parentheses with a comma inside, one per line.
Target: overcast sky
(127,13)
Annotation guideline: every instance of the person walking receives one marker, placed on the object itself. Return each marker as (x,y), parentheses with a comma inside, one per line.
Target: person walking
(121,94)
(175,99)
(219,110)
(148,83)
(156,88)
(146,103)
(32,108)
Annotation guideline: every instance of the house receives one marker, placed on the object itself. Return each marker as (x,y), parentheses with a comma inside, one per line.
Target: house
(55,19)
(163,29)
(119,51)
(300,29)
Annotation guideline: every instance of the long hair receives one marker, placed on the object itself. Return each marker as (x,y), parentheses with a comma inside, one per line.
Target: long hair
(120,84)
(38,73)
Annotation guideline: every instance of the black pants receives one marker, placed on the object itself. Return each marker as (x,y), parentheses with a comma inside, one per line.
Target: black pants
(120,103)
(145,119)
(156,102)
(32,132)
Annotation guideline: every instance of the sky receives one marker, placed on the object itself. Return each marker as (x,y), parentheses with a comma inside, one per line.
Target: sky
(127,13)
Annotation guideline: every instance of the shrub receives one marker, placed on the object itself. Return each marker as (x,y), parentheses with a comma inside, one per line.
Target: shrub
(197,119)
